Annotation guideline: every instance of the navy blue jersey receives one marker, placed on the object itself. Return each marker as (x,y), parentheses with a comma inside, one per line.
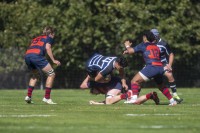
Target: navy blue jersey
(99,63)
(38,45)
(151,53)
(165,51)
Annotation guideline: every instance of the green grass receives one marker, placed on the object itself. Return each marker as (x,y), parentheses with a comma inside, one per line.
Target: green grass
(73,114)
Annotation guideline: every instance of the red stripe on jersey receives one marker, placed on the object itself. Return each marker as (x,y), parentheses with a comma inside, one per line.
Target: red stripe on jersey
(157,63)
(33,51)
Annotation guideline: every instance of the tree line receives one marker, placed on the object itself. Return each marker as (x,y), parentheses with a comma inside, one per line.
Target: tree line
(84,27)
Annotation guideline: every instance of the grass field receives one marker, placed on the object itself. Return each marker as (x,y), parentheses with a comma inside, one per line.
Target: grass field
(73,114)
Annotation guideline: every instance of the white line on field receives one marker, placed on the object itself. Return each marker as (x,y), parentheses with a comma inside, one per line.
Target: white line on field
(151,114)
(161,126)
(24,116)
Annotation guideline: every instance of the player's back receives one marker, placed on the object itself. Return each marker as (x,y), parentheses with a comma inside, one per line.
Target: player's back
(38,45)
(100,63)
(165,50)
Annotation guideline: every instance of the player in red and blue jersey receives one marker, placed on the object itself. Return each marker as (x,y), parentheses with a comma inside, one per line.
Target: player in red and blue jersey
(35,60)
(153,69)
(167,58)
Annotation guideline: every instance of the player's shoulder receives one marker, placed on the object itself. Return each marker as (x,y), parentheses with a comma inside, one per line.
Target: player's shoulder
(162,42)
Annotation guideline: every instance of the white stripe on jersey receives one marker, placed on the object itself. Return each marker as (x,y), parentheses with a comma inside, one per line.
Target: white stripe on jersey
(161,46)
(108,61)
(95,61)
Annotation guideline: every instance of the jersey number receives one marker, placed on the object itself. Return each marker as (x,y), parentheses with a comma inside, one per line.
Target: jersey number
(154,54)
(37,41)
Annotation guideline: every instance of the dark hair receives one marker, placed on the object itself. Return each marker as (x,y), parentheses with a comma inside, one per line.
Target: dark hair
(48,30)
(130,40)
(150,36)
(122,61)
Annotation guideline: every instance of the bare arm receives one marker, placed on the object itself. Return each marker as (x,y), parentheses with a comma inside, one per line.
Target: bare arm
(123,79)
(99,78)
(171,59)
(129,49)
(50,54)
(84,84)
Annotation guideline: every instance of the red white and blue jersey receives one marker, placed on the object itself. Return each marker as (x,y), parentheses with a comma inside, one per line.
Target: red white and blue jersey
(151,53)
(99,63)
(165,51)
(38,45)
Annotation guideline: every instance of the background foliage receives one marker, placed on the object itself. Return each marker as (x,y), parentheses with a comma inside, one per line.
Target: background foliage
(88,26)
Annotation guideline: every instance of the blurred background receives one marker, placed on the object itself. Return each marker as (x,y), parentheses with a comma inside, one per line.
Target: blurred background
(84,27)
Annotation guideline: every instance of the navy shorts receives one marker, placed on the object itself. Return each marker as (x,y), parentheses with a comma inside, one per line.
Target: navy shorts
(115,83)
(35,62)
(153,72)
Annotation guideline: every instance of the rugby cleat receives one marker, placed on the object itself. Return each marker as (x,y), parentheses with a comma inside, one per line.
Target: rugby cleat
(28,100)
(48,101)
(155,98)
(173,103)
(178,99)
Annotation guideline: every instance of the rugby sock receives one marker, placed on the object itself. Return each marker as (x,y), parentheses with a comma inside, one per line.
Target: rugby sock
(125,95)
(172,85)
(166,92)
(149,95)
(135,89)
(30,90)
(47,93)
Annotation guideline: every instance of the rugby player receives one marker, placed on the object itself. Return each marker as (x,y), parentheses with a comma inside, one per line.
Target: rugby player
(153,69)
(35,60)
(167,58)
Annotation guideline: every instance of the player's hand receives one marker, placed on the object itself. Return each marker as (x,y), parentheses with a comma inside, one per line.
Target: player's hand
(127,43)
(125,86)
(125,52)
(168,68)
(57,62)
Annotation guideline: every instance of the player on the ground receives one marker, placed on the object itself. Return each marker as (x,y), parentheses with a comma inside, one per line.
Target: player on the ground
(167,58)
(113,92)
(153,69)
(35,60)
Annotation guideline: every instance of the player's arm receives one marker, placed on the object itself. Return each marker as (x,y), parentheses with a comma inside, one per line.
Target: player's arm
(123,79)
(84,84)
(96,103)
(171,59)
(170,56)
(50,54)
(129,49)
(100,78)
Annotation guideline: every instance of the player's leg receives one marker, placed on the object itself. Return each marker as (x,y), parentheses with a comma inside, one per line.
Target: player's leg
(172,85)
(31,86)
(136,82)
(165,91)
(144,98)
(113,96)
(49,83)
(114,93)
(33,78)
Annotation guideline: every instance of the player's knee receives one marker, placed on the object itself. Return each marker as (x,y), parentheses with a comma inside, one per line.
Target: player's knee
(51,73)
(109,101)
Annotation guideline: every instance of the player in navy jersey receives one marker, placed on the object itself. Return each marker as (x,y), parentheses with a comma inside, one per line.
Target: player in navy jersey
(167,58)
(99,67)
(153,69)
(35,60)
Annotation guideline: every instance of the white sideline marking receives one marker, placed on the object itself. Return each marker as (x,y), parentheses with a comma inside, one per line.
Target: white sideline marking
(24,116)
(151,114)
(162,126)
(153,126)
